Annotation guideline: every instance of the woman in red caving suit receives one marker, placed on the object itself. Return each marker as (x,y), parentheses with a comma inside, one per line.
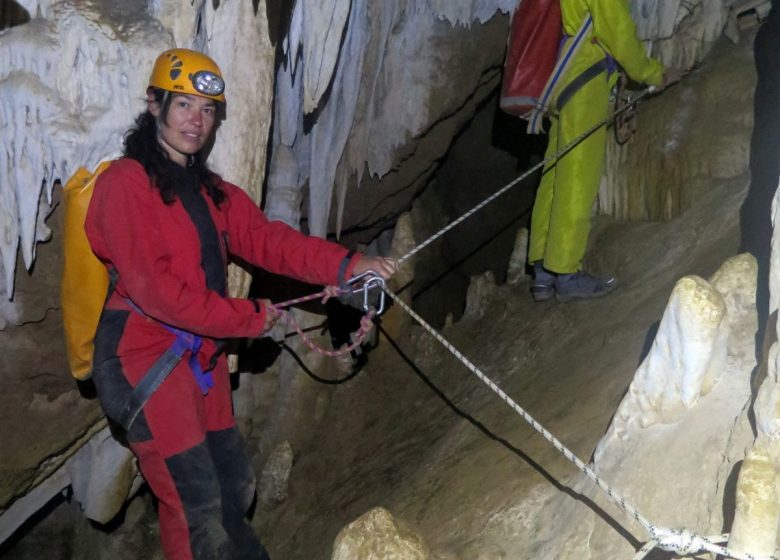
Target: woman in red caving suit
(165,226)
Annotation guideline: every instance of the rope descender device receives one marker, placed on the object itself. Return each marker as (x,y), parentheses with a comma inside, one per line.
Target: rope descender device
(364,283)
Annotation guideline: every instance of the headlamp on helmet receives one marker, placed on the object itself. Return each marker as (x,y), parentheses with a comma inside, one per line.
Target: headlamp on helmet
(208,83)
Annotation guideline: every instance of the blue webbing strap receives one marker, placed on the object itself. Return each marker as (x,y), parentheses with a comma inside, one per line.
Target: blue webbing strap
(162,368)
(580,81)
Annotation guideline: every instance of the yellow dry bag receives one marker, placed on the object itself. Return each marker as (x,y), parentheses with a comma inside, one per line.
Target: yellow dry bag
(84,278)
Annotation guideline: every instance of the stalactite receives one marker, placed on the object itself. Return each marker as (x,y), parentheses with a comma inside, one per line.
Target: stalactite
(69,87)
(378,91)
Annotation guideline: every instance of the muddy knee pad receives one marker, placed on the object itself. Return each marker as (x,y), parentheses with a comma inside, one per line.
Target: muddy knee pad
(195,478)
(234,471)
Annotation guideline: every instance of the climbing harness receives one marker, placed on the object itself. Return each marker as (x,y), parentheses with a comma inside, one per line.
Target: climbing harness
(188,342)
(159,371)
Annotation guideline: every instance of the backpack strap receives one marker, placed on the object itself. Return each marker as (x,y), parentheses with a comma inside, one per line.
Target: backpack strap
(535,117)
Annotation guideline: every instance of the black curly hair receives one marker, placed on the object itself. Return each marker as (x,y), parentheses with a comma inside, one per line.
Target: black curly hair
(142,145)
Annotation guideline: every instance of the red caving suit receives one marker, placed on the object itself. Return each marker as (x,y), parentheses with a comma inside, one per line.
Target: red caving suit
(171,261)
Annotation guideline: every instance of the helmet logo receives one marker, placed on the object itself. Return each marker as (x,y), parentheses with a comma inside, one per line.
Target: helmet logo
(175,66)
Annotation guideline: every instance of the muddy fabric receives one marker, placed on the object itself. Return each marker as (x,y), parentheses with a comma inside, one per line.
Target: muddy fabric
(560,222)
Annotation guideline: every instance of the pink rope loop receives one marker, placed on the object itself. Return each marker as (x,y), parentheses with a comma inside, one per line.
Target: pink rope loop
(296,301)
(358,336)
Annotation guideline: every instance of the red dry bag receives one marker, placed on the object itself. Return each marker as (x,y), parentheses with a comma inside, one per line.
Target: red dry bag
(534,39)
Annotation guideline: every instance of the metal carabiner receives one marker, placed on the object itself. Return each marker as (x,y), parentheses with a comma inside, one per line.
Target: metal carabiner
(365,282)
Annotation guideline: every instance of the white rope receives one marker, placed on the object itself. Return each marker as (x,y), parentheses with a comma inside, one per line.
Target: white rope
(682,542)
(553,158)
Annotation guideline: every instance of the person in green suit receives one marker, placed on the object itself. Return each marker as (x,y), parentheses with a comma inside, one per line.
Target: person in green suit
(560,222)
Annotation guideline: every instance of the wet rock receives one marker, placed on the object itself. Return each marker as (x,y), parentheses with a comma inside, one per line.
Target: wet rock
(377,535)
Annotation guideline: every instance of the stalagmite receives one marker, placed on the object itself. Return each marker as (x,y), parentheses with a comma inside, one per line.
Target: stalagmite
(396,321)
(735,280)
(687,357)
(684,413)
(481,289)
(274,480)
(517,261)
(377,535)
(755,524)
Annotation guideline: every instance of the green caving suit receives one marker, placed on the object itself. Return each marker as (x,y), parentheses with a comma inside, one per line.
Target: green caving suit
(561,216)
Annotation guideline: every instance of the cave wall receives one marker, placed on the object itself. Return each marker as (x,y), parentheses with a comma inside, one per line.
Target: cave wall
(403,68)
(682,35)
(73,78)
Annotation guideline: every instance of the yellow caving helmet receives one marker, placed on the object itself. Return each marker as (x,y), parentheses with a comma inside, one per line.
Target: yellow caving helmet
(186,71)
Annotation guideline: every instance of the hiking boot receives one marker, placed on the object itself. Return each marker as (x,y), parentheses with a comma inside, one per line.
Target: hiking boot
(582,285)
(542,284)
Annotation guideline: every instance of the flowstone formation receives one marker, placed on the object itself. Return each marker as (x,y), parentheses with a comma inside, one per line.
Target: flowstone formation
(663,168)
(351,108)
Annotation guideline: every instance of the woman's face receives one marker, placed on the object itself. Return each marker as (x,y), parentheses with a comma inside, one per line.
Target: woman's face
(187,127)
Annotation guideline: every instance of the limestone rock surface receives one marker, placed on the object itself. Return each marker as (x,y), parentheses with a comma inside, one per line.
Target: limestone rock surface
(273,484)
(377,535)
